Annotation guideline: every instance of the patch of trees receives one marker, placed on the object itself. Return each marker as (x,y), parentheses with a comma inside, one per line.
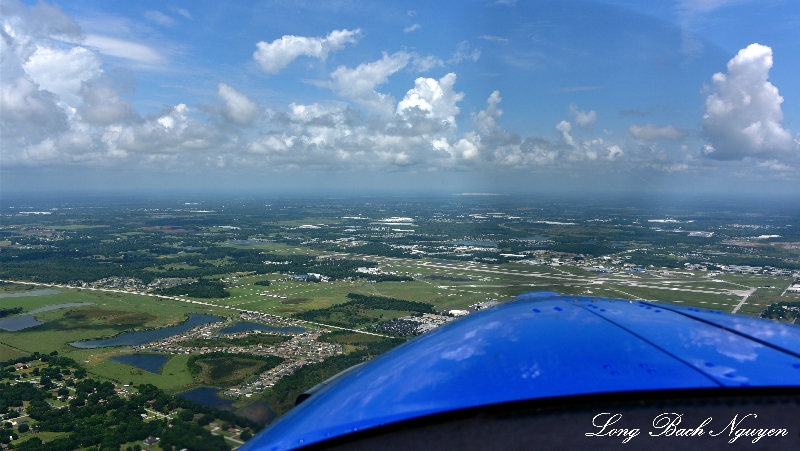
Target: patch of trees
(200,289)
(262,283)
(783,311)
(585,249)
(10,311)
(352,313)
(387,278)
(98,417)
(223,364)
(381,249)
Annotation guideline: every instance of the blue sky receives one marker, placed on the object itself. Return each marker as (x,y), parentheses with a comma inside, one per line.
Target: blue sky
(352,96)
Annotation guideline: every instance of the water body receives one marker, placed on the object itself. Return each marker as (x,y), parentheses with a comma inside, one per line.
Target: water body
(30,293)
(18,323)
(58,306)
(590,242)
(147,362)
(247,326)
(477,243)
(208,397)
(146,336)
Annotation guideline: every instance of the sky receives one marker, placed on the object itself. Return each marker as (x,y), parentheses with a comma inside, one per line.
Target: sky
(616,96)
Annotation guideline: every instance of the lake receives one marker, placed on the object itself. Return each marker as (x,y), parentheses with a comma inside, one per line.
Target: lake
(30,293)
(147,362)
(247,326)
(208,397)
(146,336)
(18,323)
(476,243)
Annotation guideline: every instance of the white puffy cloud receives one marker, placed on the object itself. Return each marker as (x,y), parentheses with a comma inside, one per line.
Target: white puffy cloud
(565,128)
(237,107)
(273,57)
(62,71)
(436,98)
(743,115)
(650,132)
(583,119)
(486,120)
(359,84)
(411,28)
(26,111)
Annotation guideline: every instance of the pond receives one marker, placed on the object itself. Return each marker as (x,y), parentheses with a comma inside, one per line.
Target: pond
(476,243)
(18,323)
(147,362)
(30,293)
(146,336)
(58,306)
(208,397)
(247,326)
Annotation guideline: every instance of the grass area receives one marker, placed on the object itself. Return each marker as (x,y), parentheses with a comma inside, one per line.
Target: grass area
(111,314)
(43,436)
(174,376)
(8,353)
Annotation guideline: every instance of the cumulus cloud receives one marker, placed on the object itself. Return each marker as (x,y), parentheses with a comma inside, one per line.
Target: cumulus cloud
(275,56)
(650,132)
(743,115)
(486,120)
(436,98)
(237,107)
(63,71)
(27,111)
(358,84)
(583,119)
(411,28)
(565,128)
(463,53)
(102,103)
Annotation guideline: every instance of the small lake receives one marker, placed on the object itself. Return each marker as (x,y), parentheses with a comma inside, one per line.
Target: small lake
(147,362)
(18,323)
(58,306)
(30,293)
(146,336)
(476,243)
(208,397)
(247,326)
